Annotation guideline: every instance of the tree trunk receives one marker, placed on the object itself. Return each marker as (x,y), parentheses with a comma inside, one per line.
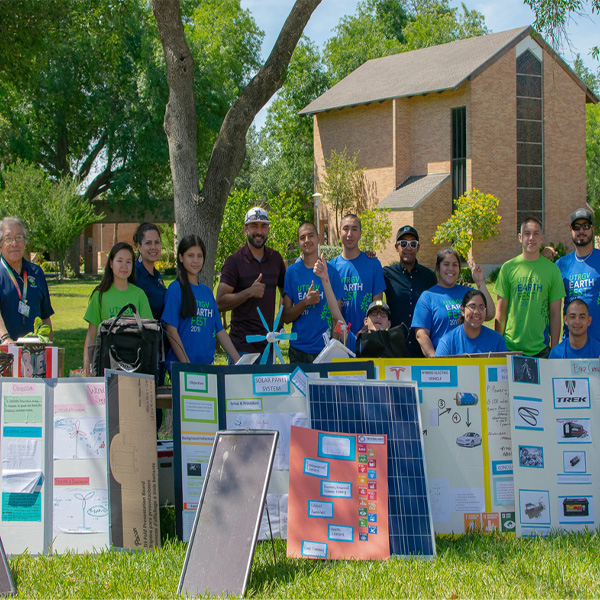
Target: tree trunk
(202,212)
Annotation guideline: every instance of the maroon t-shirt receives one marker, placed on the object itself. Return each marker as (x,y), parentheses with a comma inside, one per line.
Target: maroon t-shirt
(240,271)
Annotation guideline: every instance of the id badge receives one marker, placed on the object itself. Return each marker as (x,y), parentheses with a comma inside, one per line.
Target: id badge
(23,308)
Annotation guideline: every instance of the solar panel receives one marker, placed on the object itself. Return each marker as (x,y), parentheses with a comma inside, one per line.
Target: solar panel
(391,408)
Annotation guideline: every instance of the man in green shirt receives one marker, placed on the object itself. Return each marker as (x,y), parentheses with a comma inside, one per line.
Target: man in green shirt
(530,290)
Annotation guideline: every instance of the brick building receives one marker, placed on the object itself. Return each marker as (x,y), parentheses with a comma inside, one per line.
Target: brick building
(502,113)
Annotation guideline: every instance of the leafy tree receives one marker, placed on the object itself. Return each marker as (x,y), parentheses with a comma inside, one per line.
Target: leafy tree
(200,208)
(286,212)
(54,212)
(376,229)
(475,218)
(343,186)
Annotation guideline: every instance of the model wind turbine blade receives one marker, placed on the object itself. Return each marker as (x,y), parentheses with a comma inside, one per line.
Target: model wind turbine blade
(276,322)
(265,355)
(255,338)
(262,319)
(278,354)
(287,336)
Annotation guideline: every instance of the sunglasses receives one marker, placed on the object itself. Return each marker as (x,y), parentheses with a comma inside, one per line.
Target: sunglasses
(408,243)
(584,226)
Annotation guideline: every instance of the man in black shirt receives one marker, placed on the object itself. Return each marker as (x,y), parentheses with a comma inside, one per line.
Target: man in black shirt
(405,282)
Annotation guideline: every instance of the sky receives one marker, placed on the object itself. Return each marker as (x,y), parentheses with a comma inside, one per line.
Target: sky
(584,32)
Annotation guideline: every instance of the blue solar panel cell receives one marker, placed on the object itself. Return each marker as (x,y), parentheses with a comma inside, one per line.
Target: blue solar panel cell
(391,408)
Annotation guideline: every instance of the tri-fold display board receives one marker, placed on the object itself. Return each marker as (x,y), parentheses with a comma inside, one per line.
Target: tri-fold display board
(209,398)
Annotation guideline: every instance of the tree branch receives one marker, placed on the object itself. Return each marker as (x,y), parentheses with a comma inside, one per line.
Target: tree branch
(89,161)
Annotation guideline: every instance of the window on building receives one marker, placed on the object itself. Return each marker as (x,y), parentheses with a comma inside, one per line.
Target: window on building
(459,153)
(530,137)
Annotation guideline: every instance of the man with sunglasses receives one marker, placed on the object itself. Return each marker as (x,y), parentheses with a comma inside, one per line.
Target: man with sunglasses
(405,282)
(580,270)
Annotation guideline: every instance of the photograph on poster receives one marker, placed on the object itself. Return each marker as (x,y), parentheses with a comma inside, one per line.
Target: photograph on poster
(531,456)
(525,369)
(573,431)
(572,392)
(534,507)
(527,413)
(575,509)
(574,461)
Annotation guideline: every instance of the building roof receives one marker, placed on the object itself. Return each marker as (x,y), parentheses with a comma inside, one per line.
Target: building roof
(433,69)
(416,188)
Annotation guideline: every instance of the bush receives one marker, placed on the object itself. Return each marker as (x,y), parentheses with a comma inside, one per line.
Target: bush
(330,252)
(494,275)
(465,277)
(49,267)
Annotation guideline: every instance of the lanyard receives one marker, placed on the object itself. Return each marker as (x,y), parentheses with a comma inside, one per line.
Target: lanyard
(22,297)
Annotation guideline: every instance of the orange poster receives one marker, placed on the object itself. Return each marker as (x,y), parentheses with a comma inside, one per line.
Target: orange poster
(338,496)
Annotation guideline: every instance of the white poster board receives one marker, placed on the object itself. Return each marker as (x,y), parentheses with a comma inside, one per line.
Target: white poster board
(555,406)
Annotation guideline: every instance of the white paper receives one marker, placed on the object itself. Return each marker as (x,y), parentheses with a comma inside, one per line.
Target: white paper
(439,493)
(20,482)
(80,510)
(21,454)
(468,500)
(83,438)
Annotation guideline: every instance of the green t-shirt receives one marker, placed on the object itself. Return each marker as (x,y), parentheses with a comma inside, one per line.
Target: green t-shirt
(113,300)
(529,287)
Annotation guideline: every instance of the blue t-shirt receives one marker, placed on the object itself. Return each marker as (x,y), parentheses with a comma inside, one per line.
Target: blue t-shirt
(438,310)
(582,280)
(38,298)
(153,286)
(315,319)
(362,278)
(565,350)
(456,341)
(198,334)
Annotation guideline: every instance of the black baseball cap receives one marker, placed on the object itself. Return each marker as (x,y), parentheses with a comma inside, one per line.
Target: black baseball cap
(379,304)
(406,230)
(582,213)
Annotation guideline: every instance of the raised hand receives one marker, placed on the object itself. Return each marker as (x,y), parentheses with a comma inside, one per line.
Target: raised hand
(257,289)
(477,272)
(320,268)
(312,296)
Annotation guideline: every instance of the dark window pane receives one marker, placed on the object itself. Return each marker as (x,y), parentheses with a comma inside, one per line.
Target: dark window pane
(529,177)
(529,154)
(459,178)
(527,63)
(459,132)
(529,200)
(529,131)
(529,108)
(529,86)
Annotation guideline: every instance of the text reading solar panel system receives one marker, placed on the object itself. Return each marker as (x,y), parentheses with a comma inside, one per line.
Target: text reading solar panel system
(390,408)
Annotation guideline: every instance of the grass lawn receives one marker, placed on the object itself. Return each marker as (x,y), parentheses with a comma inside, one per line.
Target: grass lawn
(471,566)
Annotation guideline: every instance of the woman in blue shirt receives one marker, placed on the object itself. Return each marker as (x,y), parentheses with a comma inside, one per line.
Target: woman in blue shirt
(148,244)
(191,316)
(470,337)
(438,308)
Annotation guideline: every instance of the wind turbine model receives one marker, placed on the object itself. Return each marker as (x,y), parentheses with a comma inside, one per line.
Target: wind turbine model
(272,337)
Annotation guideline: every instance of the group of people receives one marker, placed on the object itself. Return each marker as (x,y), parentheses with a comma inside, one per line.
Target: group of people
(345,296)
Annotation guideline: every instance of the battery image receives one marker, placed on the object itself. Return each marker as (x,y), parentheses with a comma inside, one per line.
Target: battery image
(466,399)
(576,507)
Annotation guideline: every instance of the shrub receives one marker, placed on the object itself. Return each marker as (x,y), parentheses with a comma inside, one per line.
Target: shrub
(465,277)
(494,275)
(330,251)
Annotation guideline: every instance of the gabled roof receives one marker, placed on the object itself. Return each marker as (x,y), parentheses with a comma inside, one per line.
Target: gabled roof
(413,190)
(433,69)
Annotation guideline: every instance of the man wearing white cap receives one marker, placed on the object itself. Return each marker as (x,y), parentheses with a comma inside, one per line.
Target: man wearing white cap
(249,280)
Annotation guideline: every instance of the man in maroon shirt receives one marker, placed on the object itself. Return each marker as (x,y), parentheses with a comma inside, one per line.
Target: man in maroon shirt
(249,279)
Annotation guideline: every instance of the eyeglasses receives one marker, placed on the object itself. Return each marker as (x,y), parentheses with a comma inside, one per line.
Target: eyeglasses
(408,244)
(18,238)
(584,226)
(476,308)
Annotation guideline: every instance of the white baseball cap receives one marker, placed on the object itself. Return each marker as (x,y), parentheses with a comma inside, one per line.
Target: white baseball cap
(257,215)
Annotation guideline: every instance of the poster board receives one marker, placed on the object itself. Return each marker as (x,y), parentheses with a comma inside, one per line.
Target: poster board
(556,407)
(338,496)
(133,461)
(79,480)
(35,361)
(208,398)
(225,530)
(465,411)
(26,449)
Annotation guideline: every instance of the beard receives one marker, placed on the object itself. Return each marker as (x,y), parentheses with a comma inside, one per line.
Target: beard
(581,241)
(257,241)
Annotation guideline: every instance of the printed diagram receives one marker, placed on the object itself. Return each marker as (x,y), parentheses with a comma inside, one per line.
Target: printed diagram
(525,369)
(531,456)
(469,439)
(534,506)
(80,510)
(81,438)
(573,431)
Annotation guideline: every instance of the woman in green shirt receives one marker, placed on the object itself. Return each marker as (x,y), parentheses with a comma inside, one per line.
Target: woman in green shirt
(115,291)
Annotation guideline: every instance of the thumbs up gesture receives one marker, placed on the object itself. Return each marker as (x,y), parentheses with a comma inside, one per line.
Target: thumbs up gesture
(312,296)
(257,289)
(320,268)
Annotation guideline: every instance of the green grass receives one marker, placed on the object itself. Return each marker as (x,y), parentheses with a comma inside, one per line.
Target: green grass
(471,566)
